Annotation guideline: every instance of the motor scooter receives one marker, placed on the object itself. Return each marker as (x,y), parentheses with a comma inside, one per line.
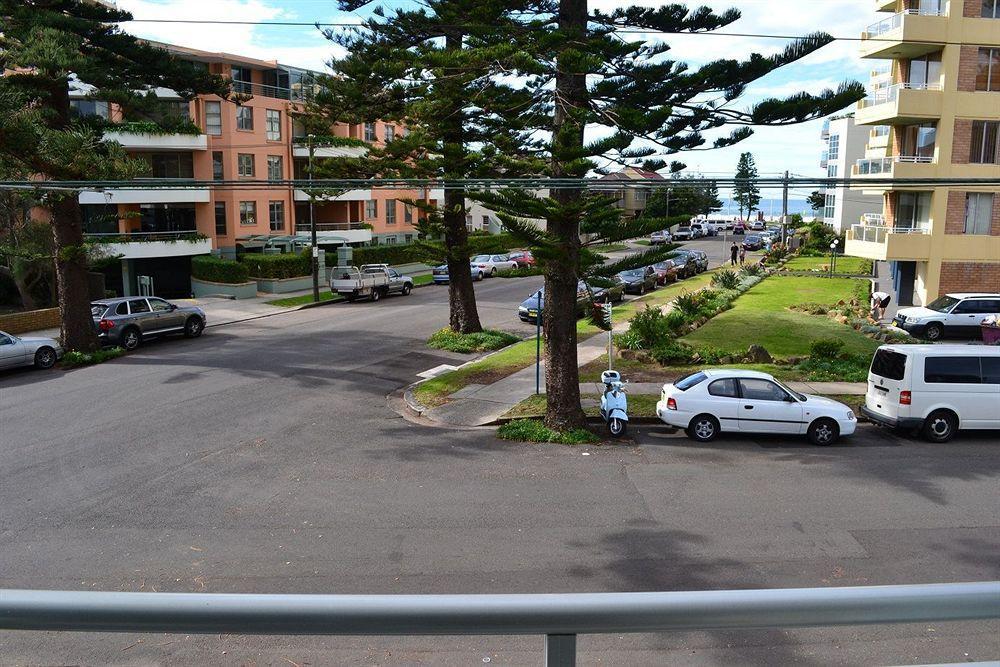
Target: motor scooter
(614,403)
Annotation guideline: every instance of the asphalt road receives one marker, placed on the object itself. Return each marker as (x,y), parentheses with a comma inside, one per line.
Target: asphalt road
(263,458)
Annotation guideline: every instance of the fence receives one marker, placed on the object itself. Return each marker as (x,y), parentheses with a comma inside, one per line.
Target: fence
(559,617)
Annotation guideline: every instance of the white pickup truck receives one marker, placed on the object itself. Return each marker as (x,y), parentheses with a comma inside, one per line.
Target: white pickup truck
(371,280)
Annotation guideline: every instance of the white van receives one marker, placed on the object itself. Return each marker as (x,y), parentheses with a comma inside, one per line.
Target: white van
(936,389)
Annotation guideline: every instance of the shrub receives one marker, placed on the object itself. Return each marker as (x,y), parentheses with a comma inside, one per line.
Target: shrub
(672,352)
(711,355)
(216,270)
(521,272)
(726,279)
(628,341)
(73,358)
(531,430)
(827,348)
(690,303)
(752,270)
(483,341)
(847,368)
(650,327)
(275,267)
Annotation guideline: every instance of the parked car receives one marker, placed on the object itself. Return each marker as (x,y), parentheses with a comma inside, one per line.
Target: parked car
(492,264)
(683,233)
(687,264)
(440,274)
(28,351)
(739,228)
(666,272)
(703,229)
(934,389)
(614,293)
(658,238)
(127,321)
(728,224)
(700,260)
(529,309)
(958,314)
(523,258)
(638,281)
(373,281)
(709,402)
(753,242)
(757,226)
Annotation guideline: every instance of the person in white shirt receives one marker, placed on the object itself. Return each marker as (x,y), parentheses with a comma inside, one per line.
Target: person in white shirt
(880,300)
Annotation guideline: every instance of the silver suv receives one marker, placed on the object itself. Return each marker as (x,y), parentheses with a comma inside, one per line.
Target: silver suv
(126,321)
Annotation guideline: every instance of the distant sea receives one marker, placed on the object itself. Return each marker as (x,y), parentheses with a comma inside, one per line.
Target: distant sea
(770,207)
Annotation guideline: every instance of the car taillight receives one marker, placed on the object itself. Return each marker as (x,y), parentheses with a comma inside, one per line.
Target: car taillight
(671,404)
(905,397)
(105,325)
(481,266)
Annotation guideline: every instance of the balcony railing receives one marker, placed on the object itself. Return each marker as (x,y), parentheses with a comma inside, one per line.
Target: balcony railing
(305,92)
(145,237)
(558,617)
(883,165)
(891,93)
(896,20)
(876,219)
(332,226)
(879,233)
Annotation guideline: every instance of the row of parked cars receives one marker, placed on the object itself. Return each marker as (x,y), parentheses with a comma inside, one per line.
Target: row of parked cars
(699,228)
(487,266)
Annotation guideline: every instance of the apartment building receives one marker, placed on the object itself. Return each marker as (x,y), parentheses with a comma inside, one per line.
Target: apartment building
(257,140)
(844,143)
(632,200)
(938,91)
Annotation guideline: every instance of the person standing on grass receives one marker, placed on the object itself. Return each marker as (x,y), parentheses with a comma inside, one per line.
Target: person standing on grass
(743,254)
(734,251)
(880,301)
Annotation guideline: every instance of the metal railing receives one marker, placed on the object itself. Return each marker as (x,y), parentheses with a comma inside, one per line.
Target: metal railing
(873,219)
(144,237)
(891,93)
(883,165)
(559,617)
(331,226)
(896,20)
(879,233)
(298,94)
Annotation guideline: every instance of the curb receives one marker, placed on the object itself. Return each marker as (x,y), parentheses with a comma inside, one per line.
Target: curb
(411,402)
(590,420)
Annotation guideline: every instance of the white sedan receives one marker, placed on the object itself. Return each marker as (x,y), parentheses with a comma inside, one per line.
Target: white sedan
(708,402)
(491,264)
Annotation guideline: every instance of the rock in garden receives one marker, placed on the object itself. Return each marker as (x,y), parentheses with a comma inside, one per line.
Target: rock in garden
(756,354)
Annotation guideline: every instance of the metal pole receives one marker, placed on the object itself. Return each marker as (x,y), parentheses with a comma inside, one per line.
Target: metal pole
(538,345)
(784,207)
(312,225)
(560,650)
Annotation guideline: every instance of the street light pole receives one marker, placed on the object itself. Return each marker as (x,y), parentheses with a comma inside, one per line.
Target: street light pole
(312,225)
(538,345)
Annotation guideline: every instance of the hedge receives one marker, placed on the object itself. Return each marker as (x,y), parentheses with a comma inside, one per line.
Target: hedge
(287,265)
(408,254)
(216,270)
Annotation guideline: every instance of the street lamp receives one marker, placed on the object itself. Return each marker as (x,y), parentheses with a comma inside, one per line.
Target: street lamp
(833,255)
(312,224)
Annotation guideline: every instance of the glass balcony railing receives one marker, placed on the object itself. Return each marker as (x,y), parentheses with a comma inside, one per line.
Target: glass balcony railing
(891,93)
(879,233)
(299,93)
(896,20)
(883,165)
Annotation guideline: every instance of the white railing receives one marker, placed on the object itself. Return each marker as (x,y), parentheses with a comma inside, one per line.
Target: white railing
(883,165)
(891,93)
(896,20)
(879,233)
(873,219)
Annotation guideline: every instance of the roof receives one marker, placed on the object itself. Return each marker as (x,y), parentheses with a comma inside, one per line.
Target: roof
(950,349)
(973,295)
(736,373)
(633,174)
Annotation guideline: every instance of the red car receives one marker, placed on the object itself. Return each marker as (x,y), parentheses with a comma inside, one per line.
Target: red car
(739,228)
(524,258)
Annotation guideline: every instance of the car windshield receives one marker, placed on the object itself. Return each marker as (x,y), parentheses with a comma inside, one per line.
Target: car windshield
(97,309)
(943,304)
(481,258)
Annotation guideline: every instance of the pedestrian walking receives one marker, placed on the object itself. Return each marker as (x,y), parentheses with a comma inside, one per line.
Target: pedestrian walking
(743,254)
(734,251)
(880,301)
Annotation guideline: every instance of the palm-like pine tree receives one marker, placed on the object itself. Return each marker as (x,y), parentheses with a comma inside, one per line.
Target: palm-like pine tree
(745,189)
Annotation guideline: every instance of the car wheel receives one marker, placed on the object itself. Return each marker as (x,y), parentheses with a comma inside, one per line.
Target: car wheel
(823,432)
(642,289)
(376,295)
(131,338)
(934,331)
(45,357)
(703,428)
(480,276)
(940,426)
(406,289)
(493,272)
(193,327)
(617,427)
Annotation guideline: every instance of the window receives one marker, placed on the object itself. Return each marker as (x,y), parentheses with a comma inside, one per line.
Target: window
(159,305)
(985,148)
(390,211)
(170,165)
(829,205)
(725,387)
(275,168)
(138,306)
(991,9)
(689,381)
(248,212)
(6,340)
(390,133)
(925,71)
(213,118)
(122,308)
(468,222)
(390,240)
(369,131)
(918,140)
(990,369)
(952,370)
(244,118)
(89,108)
(276,215)
(408,238)
(913,210)
(486,222)
(218,173)
(220,218)
(831,171)
(244,162)
(988,74)
(407,213)
(241,79)
(888,364)
(978,208)
(970,306)
(272,124)
(371,208)
(761,390)
(833,150)
(880,131)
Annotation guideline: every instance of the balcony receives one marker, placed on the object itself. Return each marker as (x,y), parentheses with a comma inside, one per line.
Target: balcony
(175,194)
(883,243)
(895,167)
(350,195)
(885,5)
(302,151)
(141,141)
(299,93)
(908,34)
(824,134)
(901,104)
(824,159)
(147,245)
(874,219)
(339,232)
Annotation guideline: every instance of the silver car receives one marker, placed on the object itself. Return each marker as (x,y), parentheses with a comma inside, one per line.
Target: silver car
(127,321)
(38,352)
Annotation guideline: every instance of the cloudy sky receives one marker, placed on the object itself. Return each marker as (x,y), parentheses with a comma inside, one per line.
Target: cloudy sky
(795,148)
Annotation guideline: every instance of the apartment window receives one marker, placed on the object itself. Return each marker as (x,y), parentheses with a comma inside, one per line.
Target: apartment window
(978,208)
(369,131)
(926,70)
(276,215)
(244,118)
(988,75)
(218,173)
(486,222)
(985,145)
(213,118)
(170,165)
(371,208)
(241,79)
(390,211)
(220,218)
(831,171)
(918,140)
(244,163)
(408,238)
(829,205)
(991,9)
(880,131)
(89,108)
(468,222)
(407,214)
(275,168)
(390,240)
(913,209)
(390,133)
(834,147)
(272,123)
(248,212)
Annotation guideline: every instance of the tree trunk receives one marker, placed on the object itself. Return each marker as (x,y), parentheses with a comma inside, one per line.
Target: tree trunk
(23,291)
(71,275)
(463,315)
(562,376)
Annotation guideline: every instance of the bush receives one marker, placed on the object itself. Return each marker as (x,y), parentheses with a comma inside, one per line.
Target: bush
(73,358)
(672,352)
(726,279)
(628,341)
(690,303)
(827,348)
(752,270)
(649,327)
(276,267)
(711,355)
(216,270)
(483,341)
(521,272)
(847,368)
(530,430)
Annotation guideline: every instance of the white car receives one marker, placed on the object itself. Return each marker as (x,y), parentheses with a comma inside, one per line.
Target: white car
(757,226)
(657,238)
(709,402)
(683,233)
(949,315)
(490,265)
(38,352)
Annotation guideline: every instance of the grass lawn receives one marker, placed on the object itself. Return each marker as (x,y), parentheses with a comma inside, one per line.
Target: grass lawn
(485,371)
(425,279)
(853,265)
(638,371)
(761,316)
(611,247)
(639,405)
(326,295)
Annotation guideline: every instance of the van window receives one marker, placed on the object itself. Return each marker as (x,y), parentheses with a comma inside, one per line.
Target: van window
(888,364)
(952,370)
(991,370)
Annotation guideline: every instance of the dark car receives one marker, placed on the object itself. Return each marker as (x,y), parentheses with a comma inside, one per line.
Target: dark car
(666,272)
(126,322)
(686,263)
(638,281)
(753,242)
(615,293)
(524,258)
(529,309)
(701,259)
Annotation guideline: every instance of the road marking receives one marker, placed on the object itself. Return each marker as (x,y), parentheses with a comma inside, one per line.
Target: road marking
(437,370)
